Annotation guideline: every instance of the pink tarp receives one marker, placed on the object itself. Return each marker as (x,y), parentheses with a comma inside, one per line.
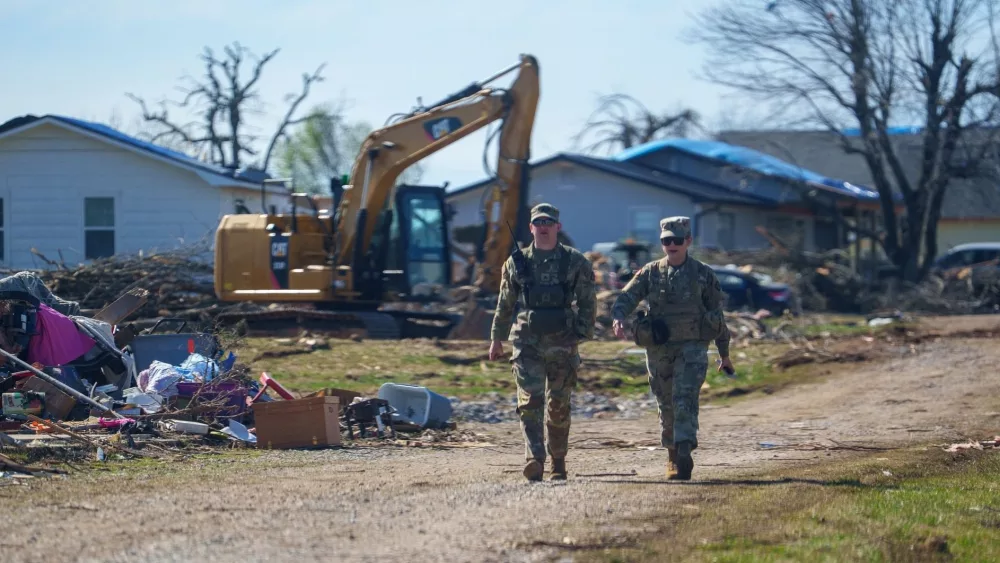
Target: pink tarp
(58,340)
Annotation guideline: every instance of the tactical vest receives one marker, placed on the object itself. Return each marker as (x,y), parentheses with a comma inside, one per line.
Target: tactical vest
(547,303)
(672,318)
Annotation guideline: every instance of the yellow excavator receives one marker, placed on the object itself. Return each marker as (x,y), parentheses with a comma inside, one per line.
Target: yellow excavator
(384,241)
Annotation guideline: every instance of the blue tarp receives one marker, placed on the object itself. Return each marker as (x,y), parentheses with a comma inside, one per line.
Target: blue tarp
(748,158)
(910,130)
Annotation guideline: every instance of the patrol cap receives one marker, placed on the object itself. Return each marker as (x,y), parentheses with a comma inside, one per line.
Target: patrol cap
(675,227)
(546,210)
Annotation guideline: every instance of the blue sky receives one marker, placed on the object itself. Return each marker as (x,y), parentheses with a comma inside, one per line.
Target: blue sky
(81,58)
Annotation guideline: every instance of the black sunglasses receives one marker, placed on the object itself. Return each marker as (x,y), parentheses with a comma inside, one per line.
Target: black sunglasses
(676,241)
(543,222)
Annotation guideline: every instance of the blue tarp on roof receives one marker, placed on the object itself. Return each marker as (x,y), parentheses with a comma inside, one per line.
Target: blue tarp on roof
(747,158)
(909,130)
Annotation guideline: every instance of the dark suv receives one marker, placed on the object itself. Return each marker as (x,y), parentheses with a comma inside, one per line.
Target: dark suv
(752,291)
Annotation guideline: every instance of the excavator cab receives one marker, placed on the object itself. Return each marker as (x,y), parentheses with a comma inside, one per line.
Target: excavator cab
(412,246)
(273,257)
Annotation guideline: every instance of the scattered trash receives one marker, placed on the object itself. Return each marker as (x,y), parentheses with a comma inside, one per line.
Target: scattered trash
(188,427)
(239,432)
(974,445)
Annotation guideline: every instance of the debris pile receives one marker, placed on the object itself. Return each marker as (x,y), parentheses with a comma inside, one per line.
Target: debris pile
(960,291)
(69,381)
(973,445)
(180,282)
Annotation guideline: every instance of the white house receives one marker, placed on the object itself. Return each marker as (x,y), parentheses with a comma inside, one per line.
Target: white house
(85,190)
(609,199)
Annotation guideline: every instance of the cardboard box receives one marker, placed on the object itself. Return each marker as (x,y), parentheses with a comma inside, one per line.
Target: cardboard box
(58,403)
(299,423)
(343,395)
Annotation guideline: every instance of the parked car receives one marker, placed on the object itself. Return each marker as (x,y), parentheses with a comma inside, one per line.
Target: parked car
(752,291)
(969,254)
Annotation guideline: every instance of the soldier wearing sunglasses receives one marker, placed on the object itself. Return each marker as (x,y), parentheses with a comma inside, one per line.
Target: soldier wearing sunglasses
(545,279)
(685,315)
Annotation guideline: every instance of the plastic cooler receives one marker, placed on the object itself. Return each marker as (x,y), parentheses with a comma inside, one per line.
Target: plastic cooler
(417,405)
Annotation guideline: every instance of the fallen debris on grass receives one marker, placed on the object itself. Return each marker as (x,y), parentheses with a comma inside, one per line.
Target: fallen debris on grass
(819,446)
(973,445)
(125,393)
(799,356)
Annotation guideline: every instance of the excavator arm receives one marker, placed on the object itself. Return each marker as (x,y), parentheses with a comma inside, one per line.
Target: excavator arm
(387,152)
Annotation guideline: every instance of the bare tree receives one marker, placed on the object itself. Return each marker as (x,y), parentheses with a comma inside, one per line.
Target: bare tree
(223,99)
(621,122)
(873,64)
(326,146)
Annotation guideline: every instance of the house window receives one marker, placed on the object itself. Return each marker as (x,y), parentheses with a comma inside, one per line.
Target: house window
(567,178)
(644,224)
(99,227)
(825,234)
(725,233)
(790,230)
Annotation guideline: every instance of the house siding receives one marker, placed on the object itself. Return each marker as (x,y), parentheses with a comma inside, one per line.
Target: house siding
(953,233)
(596,207)
(47,172)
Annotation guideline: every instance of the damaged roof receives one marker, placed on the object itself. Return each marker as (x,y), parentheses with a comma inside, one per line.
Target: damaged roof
(821,151)
(697,190)
(244,175)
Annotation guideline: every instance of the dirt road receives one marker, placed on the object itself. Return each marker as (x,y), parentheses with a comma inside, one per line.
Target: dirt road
(471,504)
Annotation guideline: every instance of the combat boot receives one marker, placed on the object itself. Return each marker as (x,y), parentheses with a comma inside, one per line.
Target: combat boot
(672,463)
(533,470)
(684,462)
(558,469)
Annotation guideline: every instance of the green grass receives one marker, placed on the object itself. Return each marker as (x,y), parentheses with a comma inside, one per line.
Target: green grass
(755,375)
(448,367)
(908,505)
(462,369)
(830,325)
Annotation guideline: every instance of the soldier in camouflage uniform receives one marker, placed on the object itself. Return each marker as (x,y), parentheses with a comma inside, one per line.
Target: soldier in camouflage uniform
(685,315)
(546,334)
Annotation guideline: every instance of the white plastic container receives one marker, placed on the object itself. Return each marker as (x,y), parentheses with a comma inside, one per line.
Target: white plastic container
(416,404)
(189,427)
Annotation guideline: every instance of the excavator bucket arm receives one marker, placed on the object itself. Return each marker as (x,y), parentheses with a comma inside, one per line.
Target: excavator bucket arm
(507,197)
(387,152)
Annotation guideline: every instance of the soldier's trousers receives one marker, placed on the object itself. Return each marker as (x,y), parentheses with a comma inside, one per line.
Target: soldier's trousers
(676,374)
(546,378)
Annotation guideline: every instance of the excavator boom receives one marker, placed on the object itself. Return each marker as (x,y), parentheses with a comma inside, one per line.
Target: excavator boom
(387,152)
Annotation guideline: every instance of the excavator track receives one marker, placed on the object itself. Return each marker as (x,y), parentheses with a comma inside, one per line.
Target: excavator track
(375,325)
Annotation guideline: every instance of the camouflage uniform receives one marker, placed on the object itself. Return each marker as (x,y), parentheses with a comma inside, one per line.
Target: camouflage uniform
(685,303)
(546,358)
